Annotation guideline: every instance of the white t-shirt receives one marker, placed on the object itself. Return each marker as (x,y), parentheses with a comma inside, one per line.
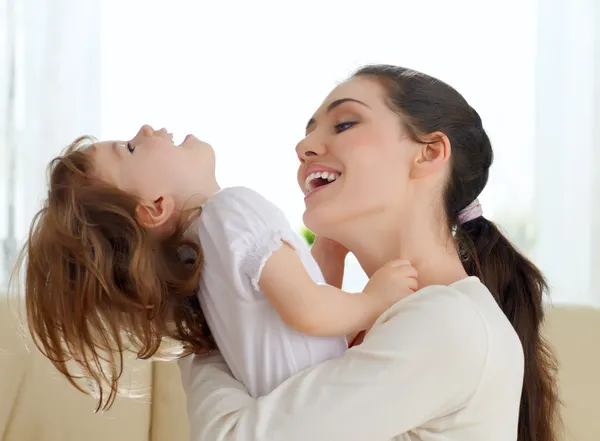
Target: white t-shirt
(239,230)
(443,364)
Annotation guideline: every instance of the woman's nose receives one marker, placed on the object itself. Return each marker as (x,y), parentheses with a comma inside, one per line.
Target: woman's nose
(308,147)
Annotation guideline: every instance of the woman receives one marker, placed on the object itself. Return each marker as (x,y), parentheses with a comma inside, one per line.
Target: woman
(444,363)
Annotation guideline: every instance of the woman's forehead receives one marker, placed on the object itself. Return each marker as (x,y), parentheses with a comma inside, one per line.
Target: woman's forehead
(363,89)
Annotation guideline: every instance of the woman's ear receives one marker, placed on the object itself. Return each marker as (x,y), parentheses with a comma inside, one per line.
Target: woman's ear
(156,214)
(432,156)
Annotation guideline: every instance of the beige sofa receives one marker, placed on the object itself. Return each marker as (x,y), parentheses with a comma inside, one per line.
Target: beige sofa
(38,405)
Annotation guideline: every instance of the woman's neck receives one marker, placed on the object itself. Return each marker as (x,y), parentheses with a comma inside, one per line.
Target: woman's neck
(430,249)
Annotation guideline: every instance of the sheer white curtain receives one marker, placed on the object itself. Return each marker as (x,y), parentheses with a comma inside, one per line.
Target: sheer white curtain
(57,97)
(246,77)
(567,201)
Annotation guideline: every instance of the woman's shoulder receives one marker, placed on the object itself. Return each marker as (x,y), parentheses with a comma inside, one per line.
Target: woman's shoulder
(461,299)
(437,320)
(463,317)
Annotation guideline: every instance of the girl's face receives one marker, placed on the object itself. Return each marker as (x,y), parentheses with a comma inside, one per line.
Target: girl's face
(162,175)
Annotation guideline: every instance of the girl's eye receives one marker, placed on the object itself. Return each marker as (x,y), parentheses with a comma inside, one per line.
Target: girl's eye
(130,147)
(342,127)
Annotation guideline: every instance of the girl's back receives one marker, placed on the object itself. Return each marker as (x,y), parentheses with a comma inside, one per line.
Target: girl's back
(239,230)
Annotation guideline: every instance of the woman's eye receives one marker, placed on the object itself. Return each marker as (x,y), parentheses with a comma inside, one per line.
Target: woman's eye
(341,127)
(130,147)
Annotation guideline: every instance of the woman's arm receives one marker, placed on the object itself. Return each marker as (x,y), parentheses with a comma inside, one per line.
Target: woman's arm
(423,359)
(331,258)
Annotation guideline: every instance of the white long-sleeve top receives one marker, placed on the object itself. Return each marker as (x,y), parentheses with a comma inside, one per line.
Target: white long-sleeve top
(444,364)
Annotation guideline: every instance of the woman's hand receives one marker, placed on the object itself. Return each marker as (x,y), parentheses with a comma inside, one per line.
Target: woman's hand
(331,257)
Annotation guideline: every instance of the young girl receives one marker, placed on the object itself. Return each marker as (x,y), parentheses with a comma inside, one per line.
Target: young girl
(122,256)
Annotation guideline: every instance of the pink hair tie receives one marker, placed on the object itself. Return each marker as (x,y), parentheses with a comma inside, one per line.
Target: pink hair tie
(470,212)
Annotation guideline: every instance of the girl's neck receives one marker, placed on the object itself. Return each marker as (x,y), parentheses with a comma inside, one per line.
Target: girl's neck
(195,198)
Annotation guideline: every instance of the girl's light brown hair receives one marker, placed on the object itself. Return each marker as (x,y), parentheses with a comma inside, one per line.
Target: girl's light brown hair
(98,284)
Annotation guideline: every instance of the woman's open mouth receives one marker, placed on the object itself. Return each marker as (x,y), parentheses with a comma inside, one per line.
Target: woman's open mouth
(319,179)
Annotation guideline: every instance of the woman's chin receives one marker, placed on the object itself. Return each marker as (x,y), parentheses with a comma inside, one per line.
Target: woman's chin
(321,220)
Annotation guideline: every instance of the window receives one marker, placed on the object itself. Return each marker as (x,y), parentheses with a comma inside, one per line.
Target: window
(247,82)
(247,77)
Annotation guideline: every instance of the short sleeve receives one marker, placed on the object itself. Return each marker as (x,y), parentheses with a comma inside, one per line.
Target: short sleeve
(249,226)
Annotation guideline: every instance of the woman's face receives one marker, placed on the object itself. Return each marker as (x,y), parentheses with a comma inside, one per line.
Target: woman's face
(355,159)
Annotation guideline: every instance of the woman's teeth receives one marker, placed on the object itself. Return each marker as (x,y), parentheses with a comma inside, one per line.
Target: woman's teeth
(318,179)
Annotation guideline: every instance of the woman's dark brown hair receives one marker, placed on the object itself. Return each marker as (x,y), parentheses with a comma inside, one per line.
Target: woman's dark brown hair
(427,105)
(98,284)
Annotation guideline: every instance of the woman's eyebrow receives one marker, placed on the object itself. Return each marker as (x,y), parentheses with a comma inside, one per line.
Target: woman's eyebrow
(335,104)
